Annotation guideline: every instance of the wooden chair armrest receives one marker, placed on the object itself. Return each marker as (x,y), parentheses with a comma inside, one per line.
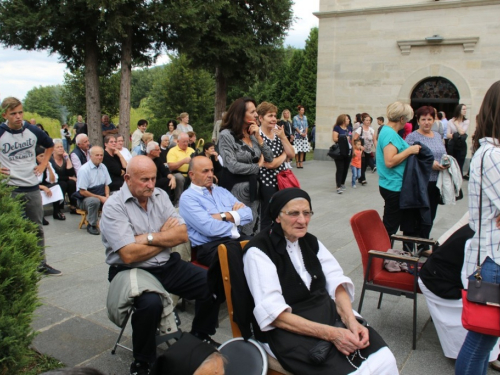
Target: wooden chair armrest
(400,237)
(385,255)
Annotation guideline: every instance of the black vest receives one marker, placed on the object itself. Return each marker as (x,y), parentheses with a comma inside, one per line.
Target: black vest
(79,153)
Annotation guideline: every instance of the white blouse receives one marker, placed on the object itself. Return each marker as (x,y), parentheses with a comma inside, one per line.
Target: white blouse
(264,284)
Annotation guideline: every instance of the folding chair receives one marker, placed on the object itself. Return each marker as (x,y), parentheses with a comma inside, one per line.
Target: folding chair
(160,339)
(373,242)
(274,368)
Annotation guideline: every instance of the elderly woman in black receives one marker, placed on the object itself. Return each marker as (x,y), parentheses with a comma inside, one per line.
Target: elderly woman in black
(243,152)
(302,298)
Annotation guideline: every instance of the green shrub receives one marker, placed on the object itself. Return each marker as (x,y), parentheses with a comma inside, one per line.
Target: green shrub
(52,126)
(19,258)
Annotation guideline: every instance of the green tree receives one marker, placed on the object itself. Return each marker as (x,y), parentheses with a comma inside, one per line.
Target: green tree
(289,82)
(181,88)
(142,84)
(308,76)
(240,40)
(73,93)
(46,101)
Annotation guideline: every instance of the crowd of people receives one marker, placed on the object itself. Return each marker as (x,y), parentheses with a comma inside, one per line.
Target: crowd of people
(162,194)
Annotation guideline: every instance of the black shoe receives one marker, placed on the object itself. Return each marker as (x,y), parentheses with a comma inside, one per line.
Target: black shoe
(59,216)
(139,368)
(93,230)
(45,222)
(49,271)
(206,338)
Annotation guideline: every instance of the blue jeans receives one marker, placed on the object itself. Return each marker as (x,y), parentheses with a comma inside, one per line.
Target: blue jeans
(475,352)
(356,173)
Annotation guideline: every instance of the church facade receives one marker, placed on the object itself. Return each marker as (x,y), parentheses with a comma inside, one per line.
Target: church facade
(423,52)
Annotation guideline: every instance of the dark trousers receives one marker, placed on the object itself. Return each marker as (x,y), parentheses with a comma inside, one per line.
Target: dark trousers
(366,160)
(180,278)
(67,187)
(266,192)
(163,183)
(342,164)
(392,212)
(206,252)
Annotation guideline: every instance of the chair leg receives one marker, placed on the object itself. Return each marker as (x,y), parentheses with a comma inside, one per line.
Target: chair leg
(361,299)
(124,325)
(380,300)
(415,322)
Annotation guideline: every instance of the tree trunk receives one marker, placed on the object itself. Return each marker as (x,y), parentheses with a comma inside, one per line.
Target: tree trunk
(93,99)
(220,94)
(126,76)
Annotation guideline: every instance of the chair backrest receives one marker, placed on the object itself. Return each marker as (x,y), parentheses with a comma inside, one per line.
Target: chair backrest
(224,267)
(248,355)
(370,234)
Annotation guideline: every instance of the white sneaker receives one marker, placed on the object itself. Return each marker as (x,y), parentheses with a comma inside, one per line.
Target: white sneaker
(339,191)
(354,186)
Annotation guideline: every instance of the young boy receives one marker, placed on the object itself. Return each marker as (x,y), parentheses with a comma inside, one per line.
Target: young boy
(357,149)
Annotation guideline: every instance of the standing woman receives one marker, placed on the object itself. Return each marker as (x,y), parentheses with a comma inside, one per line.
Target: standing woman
(367,135)
(183,124)
(342,134)
(243,152)
(392,152)
(457,131)
(171,126)
(301,143)
(473,357)
(286,122)
(276,139)
(426,117)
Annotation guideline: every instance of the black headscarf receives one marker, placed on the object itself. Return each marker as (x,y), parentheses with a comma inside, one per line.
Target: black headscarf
(183,357)
(282,197)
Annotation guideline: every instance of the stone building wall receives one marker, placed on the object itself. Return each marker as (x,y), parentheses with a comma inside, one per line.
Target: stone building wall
(361,67)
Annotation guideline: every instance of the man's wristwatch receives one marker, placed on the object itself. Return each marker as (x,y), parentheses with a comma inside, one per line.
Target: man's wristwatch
(150,238)
(223,216)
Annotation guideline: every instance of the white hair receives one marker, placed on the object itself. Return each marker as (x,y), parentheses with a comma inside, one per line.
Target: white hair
(151,146)
(164,136)
(80,137)
(57,140)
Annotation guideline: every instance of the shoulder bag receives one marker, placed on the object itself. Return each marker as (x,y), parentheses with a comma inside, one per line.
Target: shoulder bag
(481,302)
(334,151)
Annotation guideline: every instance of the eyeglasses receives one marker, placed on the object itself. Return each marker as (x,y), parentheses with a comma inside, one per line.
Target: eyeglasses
(295,214)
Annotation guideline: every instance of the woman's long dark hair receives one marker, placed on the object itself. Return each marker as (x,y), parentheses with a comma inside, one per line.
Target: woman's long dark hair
(488,119)
(457,113)
(235,116)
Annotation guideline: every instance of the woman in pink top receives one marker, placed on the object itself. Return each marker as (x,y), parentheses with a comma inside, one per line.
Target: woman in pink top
(457,134)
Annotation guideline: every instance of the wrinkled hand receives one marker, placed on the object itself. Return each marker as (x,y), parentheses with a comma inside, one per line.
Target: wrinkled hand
(279,131)
(415,149)
(238,205)
(172,183)
(359,331)
(170,223)
(103,199)
(345,341)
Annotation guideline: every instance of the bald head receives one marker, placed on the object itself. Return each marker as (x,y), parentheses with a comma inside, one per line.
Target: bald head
(96,155)
(201,171)
(183,141)
(141,177)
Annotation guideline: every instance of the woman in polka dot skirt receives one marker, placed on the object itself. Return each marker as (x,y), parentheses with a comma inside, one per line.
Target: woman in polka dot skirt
(275,137)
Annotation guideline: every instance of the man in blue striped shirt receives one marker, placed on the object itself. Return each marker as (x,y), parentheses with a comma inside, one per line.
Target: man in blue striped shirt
(212,214)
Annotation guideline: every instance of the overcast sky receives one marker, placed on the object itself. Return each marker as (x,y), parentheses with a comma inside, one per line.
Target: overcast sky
(20,71)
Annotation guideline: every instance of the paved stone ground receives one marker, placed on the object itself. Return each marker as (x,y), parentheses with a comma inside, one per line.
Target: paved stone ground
(74,328)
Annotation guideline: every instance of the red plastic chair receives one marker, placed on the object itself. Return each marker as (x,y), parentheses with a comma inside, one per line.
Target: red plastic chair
(373,242)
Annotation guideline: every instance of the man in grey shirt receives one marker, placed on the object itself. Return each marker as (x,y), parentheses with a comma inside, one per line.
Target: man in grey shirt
(139,227)
(18,141)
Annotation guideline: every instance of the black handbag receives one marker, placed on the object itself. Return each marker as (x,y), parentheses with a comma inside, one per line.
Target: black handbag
(480,291)
(334,151)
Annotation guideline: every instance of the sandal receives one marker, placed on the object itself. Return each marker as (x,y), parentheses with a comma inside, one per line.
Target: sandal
(59,216)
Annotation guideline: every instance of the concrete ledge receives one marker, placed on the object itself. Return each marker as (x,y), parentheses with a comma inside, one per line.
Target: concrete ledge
(405,8)
(321,154)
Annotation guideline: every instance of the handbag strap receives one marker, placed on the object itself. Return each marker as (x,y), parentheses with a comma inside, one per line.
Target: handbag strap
(477,275)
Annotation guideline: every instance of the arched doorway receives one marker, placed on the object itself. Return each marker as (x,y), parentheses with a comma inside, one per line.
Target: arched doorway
(437,92)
